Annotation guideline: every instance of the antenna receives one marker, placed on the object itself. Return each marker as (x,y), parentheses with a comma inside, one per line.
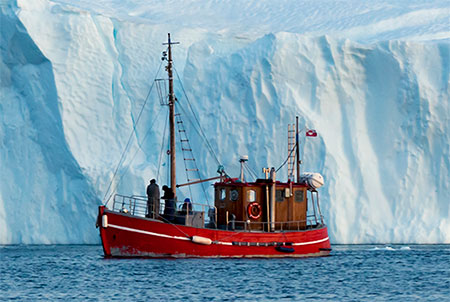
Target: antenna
(242,160)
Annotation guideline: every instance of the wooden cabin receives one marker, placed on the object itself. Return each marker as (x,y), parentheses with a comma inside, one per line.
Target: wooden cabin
(242,205)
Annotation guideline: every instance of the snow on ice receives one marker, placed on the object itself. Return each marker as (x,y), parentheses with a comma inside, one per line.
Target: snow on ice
(371,78)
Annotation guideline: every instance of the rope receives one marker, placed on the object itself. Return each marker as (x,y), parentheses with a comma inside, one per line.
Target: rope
(174,225)
(180,126)
(202,134)
(122,157)
(300,155)
(292,150)
(250,171)
(135,153)
(162,144)
(202,185)
(199,131)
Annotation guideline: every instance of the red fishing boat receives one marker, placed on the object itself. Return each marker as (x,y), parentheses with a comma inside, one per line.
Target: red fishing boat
(264,218)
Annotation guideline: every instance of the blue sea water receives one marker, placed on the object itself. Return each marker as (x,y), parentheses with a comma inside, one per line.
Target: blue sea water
(351,273)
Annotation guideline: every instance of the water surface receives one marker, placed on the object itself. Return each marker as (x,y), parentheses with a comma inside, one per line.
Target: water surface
(352,273)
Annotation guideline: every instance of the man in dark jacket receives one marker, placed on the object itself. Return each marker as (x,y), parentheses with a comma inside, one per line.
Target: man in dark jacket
(153,199)
(169,208)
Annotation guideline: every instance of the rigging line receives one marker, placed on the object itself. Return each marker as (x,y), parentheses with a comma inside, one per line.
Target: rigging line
(169,163)
(205,140)
(179,123)
(287,158)
(252,171)
(192,155)
(202,185)
(211,151)
(195,127)
(162,144)
(173,224)
(195,116)
(137,150)
(131,134)
(252,174)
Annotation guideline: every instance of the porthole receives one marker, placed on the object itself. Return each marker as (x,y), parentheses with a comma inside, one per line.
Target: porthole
(234,195)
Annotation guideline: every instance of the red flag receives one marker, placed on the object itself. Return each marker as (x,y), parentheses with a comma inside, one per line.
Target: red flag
(311,133)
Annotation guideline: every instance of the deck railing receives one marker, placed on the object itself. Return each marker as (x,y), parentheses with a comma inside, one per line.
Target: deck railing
(299,225)
(137,206)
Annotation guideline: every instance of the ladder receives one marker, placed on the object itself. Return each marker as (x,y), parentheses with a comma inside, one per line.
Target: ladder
(291,153)
(192,172)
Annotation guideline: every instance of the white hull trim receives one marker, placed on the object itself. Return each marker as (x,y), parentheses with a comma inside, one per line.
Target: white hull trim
(189,239)
(147,233)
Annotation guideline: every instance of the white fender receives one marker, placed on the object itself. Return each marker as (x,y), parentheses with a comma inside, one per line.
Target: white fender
(201,240)
(105,221)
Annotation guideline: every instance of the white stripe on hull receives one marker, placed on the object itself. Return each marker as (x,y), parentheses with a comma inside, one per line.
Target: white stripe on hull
(148,233)
(189,239)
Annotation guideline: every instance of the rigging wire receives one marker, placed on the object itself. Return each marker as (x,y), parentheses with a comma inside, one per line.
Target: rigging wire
(135,153)
(122,157)
(292,150)
(199,131)
(162,144)
(202,134)
(179,123)
(202,185)
(250,171)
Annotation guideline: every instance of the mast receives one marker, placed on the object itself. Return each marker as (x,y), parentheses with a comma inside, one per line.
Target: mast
(297,150)
(173,177)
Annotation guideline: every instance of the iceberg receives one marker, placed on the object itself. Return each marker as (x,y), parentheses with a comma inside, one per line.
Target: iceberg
(372,80)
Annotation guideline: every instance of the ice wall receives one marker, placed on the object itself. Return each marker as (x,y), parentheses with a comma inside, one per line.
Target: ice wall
(381,111)
(45,197)
(74,79)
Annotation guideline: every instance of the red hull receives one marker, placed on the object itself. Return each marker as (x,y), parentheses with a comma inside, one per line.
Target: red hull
(130,236)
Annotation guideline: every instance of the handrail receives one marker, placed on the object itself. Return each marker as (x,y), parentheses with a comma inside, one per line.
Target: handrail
(279,225)
(137,206)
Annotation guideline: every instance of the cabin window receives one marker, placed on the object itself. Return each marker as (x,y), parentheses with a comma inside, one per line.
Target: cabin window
(251,196)
(222,194)
(234,195)
(279,195)
(299,195)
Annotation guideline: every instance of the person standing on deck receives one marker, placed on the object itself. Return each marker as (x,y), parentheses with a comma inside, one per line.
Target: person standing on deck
(152,199)
(169,208)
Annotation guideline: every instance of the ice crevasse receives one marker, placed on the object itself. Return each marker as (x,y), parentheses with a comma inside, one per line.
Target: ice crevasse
(74,78)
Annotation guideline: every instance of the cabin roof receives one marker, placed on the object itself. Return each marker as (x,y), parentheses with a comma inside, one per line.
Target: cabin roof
(234,182)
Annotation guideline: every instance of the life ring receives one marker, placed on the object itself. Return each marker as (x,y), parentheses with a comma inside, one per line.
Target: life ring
(254,210)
